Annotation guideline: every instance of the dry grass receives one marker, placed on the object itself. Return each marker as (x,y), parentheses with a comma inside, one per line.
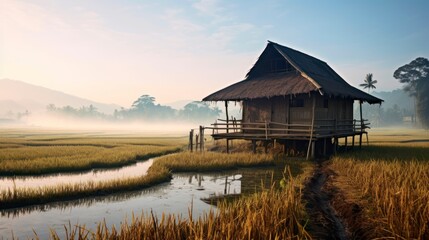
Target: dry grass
(213,161)
(29,196)
(393,179)
(47,153)
(55,159)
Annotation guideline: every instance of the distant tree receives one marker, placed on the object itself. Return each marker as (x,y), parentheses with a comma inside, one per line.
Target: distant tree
(368,82)
(415,76)
(144,102)
(51,108)
(145,107)
(195,111)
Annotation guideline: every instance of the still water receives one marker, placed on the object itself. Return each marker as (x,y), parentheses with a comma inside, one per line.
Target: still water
(176,197)
(95,175)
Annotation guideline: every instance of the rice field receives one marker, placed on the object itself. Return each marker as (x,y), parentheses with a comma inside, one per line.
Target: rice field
(213,161)
(159,172)
(47,152)
(389,180)
(381,191)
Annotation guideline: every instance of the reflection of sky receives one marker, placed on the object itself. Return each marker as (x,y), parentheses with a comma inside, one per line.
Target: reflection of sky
(96,175)
(175,197)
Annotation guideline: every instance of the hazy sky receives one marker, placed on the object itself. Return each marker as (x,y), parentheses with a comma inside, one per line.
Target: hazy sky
(115,51)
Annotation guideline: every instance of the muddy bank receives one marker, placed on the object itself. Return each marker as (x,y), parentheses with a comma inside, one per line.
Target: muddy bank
(324,220)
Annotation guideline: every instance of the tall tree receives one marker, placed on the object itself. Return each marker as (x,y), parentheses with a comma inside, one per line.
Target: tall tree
(144,102)
(368,82)
(415,76)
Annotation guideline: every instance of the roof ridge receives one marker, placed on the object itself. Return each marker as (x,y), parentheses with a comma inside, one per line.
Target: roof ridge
(296,51)
(297,67)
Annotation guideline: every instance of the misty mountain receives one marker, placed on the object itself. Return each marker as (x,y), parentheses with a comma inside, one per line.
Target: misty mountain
(18,96)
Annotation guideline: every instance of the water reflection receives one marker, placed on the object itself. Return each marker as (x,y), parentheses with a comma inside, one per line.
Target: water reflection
(176,197)
(95,175)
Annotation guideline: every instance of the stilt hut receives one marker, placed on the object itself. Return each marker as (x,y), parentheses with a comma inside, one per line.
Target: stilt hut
(295,99)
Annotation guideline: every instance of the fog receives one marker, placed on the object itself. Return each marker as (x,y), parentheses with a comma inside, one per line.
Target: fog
(45,121)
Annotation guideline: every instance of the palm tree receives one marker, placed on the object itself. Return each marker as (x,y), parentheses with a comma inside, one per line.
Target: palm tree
(368,82)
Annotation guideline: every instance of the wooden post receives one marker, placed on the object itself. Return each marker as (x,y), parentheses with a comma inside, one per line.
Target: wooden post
(266,130)
(345,143)
(227,126)
(201,138)
(312,128)
(196,142)
(313,149)
(191,139)
(335,145)
(226,184)
(361,124)
(254,146)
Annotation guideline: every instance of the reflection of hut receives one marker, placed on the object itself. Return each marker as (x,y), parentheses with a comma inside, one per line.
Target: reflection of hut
(291,97)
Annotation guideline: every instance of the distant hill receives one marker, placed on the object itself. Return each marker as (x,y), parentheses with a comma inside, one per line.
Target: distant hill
(398,97)
(18,96)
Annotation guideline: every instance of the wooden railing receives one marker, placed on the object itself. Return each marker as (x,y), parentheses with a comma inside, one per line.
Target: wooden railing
(323,127)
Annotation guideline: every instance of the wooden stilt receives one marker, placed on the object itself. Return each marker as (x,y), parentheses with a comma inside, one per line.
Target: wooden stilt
(360,140)
(312,128)
(335,145)
(345,143)
(191,140)
(361,124)
(196,142)
(353,141)
(313,149)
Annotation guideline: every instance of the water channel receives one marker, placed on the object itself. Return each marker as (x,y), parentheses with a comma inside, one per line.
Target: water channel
(176,197)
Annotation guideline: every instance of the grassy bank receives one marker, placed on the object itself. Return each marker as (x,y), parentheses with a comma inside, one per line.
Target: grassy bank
(270,214)
(13,198)
(213,161)
(44,160)
(159,172)
(48,153)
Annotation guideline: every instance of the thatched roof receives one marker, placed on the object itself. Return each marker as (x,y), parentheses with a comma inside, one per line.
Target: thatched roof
(282,71)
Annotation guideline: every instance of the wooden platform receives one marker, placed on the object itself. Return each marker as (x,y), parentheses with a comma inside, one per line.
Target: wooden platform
(325,130)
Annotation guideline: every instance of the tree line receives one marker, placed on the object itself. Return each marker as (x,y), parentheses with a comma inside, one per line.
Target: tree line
(144,108)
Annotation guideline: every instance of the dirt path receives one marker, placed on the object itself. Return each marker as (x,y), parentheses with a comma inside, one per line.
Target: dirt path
(324,221)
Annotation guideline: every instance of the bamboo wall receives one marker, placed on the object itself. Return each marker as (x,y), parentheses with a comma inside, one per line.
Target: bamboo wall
(278,109)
